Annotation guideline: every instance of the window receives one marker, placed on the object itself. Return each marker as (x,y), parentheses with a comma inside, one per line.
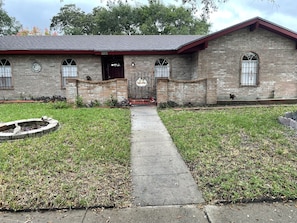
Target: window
(69,70)
(249,69)
(5,74)
(162,68)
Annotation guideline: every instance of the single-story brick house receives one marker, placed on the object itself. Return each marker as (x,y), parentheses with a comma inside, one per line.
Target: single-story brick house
(253,60)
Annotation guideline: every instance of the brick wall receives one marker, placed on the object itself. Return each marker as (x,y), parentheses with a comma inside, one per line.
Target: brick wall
(197,92)
(180,65)
(277,57)
(100,91)
(48,81)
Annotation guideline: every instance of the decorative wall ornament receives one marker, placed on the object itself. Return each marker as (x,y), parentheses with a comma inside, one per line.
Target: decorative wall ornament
(141,82)
(36,67)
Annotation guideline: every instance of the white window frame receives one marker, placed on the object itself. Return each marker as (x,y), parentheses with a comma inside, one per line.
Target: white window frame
(162,68)
(5,74)
(69,70)
(249,69)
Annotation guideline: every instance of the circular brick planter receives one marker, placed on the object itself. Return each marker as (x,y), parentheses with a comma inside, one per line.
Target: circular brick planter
(289,119)
(21,129)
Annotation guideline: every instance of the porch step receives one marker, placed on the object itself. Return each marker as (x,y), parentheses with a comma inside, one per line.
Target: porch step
(145,101)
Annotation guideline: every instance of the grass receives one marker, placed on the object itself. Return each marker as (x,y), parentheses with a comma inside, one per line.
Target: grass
(83,164)
(234,155)
(237,155)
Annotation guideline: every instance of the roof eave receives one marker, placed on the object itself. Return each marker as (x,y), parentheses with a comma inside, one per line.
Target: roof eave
(253,24)
(141,52)
(48,52)
(86,52)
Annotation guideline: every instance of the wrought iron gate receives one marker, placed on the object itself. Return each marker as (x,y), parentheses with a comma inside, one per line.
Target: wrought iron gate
(142,86)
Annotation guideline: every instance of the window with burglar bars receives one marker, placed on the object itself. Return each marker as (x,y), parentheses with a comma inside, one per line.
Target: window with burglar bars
(69,69)
(249,69)
(162,68)
(5,74)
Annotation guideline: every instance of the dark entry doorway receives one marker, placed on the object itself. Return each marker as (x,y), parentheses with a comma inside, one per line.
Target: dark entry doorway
(112,67)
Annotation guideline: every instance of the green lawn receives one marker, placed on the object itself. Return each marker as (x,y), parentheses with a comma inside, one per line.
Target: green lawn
(241,154)
(86,163)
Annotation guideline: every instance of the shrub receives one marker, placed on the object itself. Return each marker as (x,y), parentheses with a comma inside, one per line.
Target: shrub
(60,105)
(95,103)
(79,101)
(112,102)
(168,104)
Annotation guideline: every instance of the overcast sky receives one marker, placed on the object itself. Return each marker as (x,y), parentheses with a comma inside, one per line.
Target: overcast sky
(38,13)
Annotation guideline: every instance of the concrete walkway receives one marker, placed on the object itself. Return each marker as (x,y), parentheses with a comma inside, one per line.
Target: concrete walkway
(159,175)
(239,213)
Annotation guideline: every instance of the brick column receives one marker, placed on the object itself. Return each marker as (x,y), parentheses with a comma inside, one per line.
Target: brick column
(211,91)
(122,89)
(71,90)
(162,90)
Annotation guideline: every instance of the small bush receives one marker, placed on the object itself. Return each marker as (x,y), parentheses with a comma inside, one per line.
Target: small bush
(168,104)
(112,102)
(47,99)
(60,105)
(95,103)
(79,101)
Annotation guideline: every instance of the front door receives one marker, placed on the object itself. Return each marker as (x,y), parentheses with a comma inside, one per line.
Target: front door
(112,67)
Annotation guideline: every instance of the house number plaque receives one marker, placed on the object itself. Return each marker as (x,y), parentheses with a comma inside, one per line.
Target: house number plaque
(141,82)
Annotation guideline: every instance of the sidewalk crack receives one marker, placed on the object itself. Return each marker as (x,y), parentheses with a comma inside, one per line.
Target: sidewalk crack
(207,217)
(83,218)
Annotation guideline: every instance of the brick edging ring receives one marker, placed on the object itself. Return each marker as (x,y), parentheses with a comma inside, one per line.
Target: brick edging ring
(51,125)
